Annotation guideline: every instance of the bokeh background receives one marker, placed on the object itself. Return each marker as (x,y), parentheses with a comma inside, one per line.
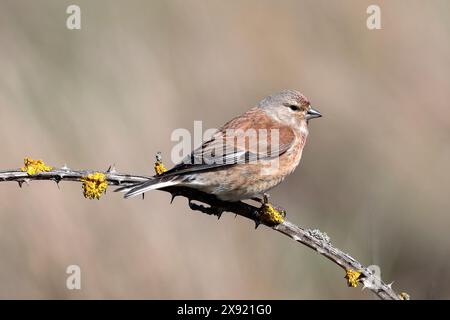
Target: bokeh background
(374,175)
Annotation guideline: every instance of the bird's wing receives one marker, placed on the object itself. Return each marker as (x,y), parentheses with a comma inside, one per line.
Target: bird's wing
(248,138)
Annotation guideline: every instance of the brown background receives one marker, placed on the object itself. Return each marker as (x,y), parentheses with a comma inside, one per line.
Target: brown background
(374,174)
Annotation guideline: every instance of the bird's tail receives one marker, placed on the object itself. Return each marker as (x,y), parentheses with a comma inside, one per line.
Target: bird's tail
(152,184)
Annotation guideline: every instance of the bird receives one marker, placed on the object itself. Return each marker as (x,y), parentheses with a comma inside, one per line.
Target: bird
(248,156)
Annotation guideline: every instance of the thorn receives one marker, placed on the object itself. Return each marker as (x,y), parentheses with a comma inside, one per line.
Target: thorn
(219,214)
(57,179)
(143,196)
(235,216)
(390,285)
(65,167)
(20,182)
(257,223)
(112,168)
(174,195)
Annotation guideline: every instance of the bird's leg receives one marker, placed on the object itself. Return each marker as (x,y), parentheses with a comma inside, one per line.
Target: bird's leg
(269,214)
(257,199)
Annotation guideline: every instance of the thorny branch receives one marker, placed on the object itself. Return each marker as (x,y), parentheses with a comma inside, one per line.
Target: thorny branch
(316,240)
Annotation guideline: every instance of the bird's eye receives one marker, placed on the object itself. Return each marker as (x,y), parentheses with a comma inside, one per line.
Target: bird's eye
(294,107)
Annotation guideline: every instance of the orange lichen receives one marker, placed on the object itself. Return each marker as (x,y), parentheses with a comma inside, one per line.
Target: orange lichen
(32,166)
(270,215)
(404,296)
(352,277)
(94,185)
(159,166)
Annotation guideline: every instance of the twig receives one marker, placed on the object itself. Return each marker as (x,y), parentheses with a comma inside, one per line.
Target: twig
(312,238)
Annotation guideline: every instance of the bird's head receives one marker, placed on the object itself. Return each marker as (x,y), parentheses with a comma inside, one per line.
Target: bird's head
(289,107)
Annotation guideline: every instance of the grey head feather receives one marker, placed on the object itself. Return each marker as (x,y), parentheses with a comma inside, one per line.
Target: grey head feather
(283,98)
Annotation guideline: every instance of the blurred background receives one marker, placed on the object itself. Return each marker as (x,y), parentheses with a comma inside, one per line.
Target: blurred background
(374,175)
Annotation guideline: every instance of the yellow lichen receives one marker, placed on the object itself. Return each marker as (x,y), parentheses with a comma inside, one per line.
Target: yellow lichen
(34,166)
(94,185)
(270,215)
(404,296)
(352,277)
(159,168)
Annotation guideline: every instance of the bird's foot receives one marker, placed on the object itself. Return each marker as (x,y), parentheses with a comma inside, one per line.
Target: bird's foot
(269,214)
(208,210)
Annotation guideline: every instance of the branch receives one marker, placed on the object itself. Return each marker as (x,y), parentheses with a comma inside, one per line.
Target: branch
(314,239)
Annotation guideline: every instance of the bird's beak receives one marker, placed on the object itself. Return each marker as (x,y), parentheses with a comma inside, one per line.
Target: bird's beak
(312,113)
